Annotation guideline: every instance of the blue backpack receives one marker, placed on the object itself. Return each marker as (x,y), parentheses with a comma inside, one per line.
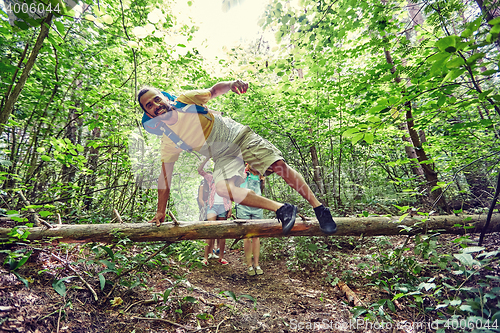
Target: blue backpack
(158,127)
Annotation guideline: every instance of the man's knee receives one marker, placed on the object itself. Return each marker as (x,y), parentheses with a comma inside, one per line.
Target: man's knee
(222,188)
(279,166)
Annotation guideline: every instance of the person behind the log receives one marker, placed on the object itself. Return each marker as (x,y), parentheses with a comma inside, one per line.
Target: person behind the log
(218,208)
(228,143)
(255,182)
(203,192)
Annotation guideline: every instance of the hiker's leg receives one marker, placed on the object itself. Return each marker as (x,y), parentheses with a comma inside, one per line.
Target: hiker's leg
(256,250)
(296,181)
(208,247)
(247,246)
(210,242)
(222,246)
(228,189)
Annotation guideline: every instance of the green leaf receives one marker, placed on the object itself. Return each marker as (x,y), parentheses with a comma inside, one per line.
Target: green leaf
(59,285)
(107,19)
(313,247)
(441,101)
(447,44)
(166,293)
(45,213)
(369,138)
(377,108)
(475,57)
(474,25)
(495,21)
(22,261)
(471,249)
(489,72)
(438,57)
(45,158)
(350,132)
(467,308)
(102,281)
(20,278)
(437,67)
(466,33)
(229,293)
(426,286)
(452,75)
(22,25)
(109,252)
(495,29)
(357,137)
(190,299)
(109,265)
(60,27)
(456,62)
(391,306)
(465,259)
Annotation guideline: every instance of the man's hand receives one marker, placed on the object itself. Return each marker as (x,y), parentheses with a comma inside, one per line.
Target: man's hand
(239,87)
(158,219)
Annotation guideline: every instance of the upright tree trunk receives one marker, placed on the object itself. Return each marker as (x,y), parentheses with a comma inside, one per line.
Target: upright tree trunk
(12,98)
(68,171)
(93,159)
(429,173)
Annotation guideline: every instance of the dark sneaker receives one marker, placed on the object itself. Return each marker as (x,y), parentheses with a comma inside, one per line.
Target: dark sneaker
(286,215)
(326,223)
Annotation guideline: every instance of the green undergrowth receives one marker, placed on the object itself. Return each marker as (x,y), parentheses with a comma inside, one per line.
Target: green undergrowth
(437,282)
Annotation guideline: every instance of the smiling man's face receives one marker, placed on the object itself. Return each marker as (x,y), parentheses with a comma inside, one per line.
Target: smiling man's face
(156,104)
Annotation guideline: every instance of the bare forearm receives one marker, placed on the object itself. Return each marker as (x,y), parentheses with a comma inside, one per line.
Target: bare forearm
(164,186)
(202,165)
(163,195)
(221,88)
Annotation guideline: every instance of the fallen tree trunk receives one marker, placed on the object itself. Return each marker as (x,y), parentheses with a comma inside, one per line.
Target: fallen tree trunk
(347,226)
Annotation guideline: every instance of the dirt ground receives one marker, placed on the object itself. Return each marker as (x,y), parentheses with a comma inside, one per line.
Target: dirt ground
(285,301)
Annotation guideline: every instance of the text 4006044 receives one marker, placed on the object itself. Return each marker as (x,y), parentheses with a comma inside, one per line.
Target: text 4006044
(33,8)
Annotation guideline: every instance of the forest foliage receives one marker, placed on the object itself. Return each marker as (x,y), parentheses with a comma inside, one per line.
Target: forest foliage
(374,102)
(384,106)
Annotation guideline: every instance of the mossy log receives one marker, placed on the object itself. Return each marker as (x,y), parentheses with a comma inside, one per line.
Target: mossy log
(237,229)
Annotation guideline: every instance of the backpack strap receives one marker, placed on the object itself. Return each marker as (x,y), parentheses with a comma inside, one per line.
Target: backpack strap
(157,127)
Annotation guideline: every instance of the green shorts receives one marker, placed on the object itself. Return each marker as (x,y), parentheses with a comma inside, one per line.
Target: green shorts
(247,147)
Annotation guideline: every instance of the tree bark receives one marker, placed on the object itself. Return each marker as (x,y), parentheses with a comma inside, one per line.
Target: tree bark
(12,99)
(146,232)
(92,163)
(428,170)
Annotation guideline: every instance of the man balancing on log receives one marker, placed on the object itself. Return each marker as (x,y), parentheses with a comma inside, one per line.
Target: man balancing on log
(185,123)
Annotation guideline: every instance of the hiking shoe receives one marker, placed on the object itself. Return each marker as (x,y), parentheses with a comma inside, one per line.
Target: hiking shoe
(251,271)
(286,215)
(213,255)
(326,223)
(259,270)
(204,262)
(223,261)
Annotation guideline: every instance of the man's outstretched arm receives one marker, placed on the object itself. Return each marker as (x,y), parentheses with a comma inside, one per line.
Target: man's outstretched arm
(221,88)
(164,181)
